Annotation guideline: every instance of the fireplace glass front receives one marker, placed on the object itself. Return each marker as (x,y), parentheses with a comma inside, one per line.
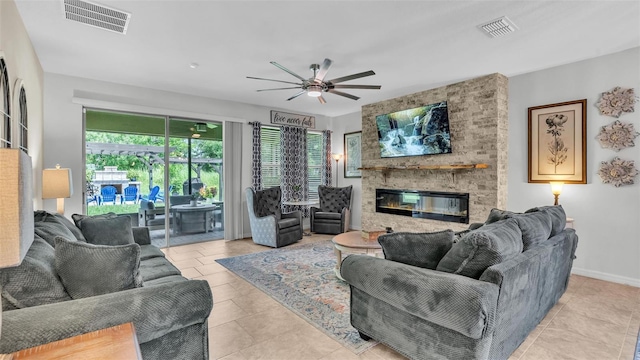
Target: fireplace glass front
(443,206)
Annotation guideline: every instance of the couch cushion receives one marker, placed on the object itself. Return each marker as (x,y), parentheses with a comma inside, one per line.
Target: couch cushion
(107,230)
(482,248)
(89,270)
(49,230)
(497,215)
(558,217)
(319,215)
(535,227)
(78,218)
(164,280)
(156,268)
(287,223)
(267,202)
(41,215)
(424,250)
(149,251)
(334,199)
(33,282)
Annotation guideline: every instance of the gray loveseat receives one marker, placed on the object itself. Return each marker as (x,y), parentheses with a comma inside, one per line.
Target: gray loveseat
(478,298)
(169,312)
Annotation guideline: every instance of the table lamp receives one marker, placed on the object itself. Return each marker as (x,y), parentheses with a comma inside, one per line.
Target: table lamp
(556,189)
(16,208)
(56,184)
(337,157)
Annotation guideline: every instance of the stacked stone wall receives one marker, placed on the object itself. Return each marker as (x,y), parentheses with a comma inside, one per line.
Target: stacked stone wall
(478,119)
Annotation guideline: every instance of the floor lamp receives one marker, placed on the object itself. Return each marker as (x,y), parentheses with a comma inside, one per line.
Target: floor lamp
(337,157)
(16,209)
(56,184)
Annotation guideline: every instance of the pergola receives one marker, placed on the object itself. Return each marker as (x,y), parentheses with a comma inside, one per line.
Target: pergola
(151,155)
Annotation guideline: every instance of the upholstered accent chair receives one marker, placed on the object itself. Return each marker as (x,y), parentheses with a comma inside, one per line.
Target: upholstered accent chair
(334,214)
(269,225)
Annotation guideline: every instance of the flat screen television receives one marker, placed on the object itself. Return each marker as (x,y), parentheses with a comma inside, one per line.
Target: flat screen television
(420,131)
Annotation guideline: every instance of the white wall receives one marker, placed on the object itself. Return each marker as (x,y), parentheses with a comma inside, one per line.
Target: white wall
(64,97)
(341,125)
(607,219)
(23,64)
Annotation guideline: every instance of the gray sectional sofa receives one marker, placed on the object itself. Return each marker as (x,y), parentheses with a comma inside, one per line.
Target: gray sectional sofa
(477,298)
(49,296)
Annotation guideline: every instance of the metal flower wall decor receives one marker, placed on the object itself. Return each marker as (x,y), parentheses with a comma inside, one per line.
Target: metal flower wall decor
(617,136)
(615,102)
(618,172)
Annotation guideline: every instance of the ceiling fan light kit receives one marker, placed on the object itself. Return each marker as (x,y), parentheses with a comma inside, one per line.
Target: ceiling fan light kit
(316,85)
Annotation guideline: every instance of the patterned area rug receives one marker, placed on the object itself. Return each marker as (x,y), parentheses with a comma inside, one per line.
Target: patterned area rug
(302,279)
(637,353)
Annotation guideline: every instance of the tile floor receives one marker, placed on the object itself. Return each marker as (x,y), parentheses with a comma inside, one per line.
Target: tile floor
(594,319)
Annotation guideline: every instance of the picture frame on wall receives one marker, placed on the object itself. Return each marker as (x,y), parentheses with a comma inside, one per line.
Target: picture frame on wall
(558,142)
(352,154)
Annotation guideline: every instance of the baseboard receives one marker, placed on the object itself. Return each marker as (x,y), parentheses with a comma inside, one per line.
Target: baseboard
(607,277)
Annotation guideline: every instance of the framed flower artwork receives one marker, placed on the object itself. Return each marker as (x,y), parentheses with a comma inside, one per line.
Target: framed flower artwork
(557,143)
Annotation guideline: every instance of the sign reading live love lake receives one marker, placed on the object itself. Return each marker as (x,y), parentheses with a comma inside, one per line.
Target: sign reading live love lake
(283,118)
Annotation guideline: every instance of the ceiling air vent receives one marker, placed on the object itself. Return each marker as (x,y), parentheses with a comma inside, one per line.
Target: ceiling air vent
(499,27)
(97,15)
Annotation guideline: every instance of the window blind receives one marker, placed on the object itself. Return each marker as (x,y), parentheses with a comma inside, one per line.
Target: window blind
(270,155)
(314,154)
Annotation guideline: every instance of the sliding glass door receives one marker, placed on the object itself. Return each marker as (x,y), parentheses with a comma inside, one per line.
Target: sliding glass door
(150,168)
(195,178)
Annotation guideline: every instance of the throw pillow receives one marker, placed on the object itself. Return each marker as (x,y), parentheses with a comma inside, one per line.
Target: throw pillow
(482,248)
(535,227)
(558,217)
(89,270)
(49,230)
(418,249)
(34,282)
(107,230)
(497,215)
(78,218)
(71,226)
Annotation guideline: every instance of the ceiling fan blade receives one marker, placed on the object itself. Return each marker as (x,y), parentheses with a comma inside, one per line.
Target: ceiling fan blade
(286,82)
(370,87)
(296,95)
(323,70)
(343,94)
(288,88)
(287,70)
(351,77)
(322,100)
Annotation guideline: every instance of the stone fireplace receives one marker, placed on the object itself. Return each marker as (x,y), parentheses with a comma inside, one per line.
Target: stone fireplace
(478,119)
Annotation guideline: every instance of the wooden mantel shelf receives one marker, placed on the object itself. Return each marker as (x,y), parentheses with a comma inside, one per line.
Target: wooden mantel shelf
(427,167)
(451,167)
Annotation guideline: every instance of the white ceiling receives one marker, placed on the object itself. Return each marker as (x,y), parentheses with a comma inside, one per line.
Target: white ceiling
(411,45)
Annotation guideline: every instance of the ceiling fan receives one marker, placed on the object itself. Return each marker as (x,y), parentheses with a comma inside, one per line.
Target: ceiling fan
(316,85)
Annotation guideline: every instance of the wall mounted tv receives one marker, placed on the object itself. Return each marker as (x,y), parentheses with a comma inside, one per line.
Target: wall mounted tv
(420,131)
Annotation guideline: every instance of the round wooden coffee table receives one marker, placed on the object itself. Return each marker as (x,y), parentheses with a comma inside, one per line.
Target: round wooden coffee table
(352,242)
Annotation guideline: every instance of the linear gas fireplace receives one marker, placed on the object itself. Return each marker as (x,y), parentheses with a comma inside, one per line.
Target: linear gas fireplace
(443,206)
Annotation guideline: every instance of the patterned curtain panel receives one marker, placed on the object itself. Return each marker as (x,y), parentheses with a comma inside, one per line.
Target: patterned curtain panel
(326,166)
(294,171)
(256,171)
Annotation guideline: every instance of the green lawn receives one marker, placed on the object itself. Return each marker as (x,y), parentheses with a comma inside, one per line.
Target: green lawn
(118,209)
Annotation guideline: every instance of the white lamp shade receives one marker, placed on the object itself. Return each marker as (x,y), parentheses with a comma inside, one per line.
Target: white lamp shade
(56,183)
(16,206)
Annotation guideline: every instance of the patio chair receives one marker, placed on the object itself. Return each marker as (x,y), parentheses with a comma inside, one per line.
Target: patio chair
(153,194)
(160,196)
(130,194)
(107,194)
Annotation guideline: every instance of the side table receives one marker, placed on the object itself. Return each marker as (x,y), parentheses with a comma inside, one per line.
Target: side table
(352,242)
(114,343)
(569,223)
